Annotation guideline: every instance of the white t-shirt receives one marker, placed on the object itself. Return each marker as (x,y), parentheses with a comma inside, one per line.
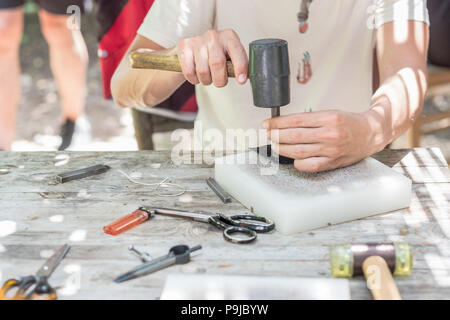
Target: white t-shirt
(331,63)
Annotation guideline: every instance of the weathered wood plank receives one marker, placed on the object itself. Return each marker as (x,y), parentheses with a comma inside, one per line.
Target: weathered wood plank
(193,180)
(424,157)
(420,165)
(94,279)
(197,191)
(45,215)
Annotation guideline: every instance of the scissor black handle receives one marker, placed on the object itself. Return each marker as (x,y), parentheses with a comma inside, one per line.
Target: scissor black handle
(236,220)
(43,291)
(228,230)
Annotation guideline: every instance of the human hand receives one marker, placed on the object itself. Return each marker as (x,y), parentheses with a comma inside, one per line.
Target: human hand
(203,58)
(325,140)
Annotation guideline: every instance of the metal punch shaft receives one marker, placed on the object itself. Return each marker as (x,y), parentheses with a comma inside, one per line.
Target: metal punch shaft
(81,173)
(176,255)
(275,112)
(218,190)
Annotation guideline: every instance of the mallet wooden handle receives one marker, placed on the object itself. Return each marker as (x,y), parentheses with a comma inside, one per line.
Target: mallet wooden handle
(163,60)
(380,280)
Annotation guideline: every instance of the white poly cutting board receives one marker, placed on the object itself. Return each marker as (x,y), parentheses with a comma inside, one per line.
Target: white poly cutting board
(298,201)
(220,287)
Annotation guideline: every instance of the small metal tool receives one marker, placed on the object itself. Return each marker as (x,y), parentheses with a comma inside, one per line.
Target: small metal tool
(177,255)
(144,256)
(244,225)
(218,190)
(81,173)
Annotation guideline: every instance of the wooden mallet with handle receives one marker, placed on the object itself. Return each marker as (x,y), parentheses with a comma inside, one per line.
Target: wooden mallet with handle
(269,73)
(377,261)
(269,70)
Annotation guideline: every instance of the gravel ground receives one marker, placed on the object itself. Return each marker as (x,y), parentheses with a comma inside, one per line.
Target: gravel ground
(111,127)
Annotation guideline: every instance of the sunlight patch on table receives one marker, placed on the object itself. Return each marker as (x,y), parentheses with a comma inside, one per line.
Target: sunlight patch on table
(62,159)
(7,228)
(57,218)
(440,268)
(83,194)
(440,211)
(45,254)
(185,198)
(73,282)
(78,235)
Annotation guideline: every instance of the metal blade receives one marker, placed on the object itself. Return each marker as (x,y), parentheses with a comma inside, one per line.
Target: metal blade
(50,265)
(146,268)
(275,112)
(196,216)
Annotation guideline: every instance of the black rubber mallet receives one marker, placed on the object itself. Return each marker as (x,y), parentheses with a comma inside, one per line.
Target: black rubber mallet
(269,74)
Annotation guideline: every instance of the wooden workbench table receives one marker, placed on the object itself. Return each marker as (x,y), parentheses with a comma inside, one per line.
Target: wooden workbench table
(38,216)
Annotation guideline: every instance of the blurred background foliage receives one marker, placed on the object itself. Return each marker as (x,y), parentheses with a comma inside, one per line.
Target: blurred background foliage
(105,126)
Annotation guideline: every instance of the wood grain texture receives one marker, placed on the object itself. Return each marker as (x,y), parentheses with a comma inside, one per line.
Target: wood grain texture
(161,61)
(38,215)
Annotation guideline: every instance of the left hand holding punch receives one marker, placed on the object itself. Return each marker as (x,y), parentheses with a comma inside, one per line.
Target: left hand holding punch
(325,140)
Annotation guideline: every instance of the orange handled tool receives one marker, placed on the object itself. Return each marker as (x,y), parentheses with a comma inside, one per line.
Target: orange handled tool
(35,287)
(129,221)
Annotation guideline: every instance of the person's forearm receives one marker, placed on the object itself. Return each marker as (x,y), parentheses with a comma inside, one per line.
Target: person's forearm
(401,53)
(203,59)
(396,105)
(139,87)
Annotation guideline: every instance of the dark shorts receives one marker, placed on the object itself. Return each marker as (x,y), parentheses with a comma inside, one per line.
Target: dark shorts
(439,50)
(51,6)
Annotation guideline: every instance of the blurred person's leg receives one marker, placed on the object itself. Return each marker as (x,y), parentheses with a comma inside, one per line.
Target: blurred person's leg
(69,62)
(11,27)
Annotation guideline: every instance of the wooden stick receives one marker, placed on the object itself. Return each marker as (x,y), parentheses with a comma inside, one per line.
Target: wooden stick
(379,279)
(163,60)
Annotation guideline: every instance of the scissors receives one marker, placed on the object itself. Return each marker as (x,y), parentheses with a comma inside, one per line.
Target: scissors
(35,287)
(244,224)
